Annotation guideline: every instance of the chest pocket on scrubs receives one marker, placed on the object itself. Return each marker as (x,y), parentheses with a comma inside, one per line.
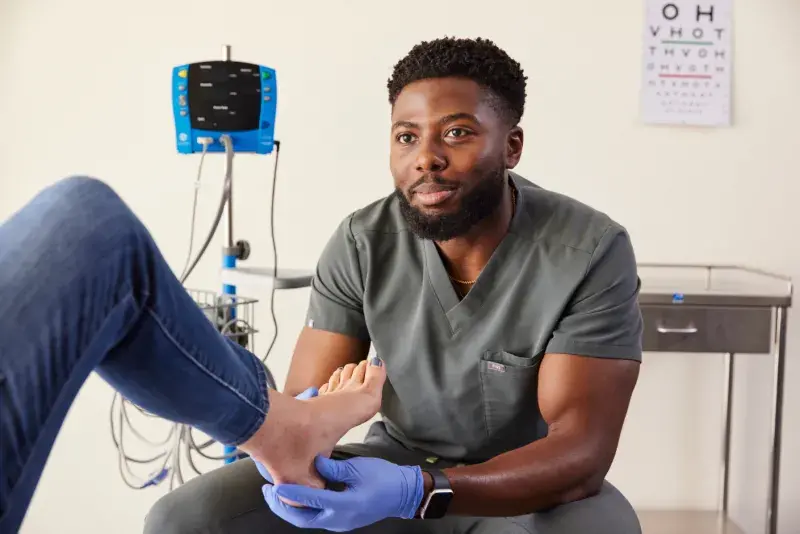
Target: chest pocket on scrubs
(509,388)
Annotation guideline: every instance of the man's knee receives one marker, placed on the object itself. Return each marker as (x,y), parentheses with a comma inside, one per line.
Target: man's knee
(167,516)
(227,499)
(183,512)
(608,512)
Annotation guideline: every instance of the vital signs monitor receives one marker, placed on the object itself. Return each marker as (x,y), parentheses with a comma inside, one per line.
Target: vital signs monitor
(212,98)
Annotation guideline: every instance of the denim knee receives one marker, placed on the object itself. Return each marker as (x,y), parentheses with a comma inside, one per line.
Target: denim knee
(77,195)
(70,226)
(85,210)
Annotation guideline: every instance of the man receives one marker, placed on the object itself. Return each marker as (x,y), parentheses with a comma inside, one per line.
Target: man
(506,315)
(83,287)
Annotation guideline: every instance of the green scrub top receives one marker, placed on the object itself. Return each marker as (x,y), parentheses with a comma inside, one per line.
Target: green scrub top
(462,374)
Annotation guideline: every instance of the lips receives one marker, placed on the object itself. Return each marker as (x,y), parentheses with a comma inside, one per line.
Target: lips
(432,199)
(433,192)
(434,195)
(427,189)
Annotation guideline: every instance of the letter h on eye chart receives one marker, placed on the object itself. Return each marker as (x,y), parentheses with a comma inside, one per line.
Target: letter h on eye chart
(686,77)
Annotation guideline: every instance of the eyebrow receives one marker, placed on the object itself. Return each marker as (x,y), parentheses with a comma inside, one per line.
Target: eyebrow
(444,120)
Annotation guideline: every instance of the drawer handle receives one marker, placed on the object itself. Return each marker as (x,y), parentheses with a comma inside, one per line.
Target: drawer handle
(691,329)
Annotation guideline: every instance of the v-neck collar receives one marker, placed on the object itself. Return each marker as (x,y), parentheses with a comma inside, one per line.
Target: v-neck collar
(460,311)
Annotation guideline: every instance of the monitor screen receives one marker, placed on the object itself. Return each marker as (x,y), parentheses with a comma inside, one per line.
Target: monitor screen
(224,96)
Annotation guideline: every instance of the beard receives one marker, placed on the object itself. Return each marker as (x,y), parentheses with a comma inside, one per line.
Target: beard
(478,204)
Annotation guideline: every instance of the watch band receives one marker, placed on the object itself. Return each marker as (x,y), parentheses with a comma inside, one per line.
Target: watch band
(440,480)
(435,504)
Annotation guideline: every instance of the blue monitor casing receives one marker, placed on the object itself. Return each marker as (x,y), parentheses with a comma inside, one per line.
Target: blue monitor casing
(212,98)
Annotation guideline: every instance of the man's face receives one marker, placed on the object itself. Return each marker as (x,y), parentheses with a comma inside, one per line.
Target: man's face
(450,149)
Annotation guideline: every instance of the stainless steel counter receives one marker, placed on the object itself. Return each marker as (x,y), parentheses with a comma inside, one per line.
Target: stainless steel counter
(718,309)
(686,522)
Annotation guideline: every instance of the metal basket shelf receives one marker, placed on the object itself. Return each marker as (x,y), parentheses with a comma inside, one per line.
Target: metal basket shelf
(233,315)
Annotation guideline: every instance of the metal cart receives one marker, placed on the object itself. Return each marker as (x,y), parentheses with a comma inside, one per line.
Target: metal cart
(724,309)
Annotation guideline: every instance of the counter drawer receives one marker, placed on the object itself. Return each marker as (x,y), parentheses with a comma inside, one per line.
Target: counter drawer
(707,329)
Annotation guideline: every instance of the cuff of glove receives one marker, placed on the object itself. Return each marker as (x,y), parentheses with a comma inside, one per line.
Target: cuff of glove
(414,489)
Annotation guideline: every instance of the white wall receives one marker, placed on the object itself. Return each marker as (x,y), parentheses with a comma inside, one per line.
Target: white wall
(85,89)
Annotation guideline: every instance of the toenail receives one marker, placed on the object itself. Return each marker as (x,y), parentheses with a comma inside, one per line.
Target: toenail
(377,362)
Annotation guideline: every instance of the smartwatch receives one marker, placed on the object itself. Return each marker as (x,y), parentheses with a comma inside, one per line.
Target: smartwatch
(435,504)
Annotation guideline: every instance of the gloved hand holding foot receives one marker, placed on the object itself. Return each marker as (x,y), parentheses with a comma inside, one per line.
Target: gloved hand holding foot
(318,424)
(347,378)
(376,490)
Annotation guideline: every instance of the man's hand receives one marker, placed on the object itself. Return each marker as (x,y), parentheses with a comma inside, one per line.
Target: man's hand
(376,490)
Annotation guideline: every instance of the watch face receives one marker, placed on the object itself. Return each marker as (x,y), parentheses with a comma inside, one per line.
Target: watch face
(438,503)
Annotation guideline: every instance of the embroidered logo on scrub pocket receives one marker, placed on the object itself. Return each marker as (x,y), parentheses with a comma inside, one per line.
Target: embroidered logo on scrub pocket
(496,367)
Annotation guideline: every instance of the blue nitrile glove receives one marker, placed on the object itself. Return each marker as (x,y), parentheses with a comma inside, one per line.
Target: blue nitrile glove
(376,490)
(307,394)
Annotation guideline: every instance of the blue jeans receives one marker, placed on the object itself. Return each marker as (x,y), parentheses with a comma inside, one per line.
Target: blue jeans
(83,287)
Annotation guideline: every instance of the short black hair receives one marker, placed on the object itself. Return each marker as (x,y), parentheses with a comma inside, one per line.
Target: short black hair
(477,59)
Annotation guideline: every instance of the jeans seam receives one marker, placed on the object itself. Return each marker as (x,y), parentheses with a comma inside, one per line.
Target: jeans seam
(262,381)
(201,366)
(262,387)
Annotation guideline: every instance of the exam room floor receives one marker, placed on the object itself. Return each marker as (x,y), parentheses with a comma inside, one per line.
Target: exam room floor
(686,522)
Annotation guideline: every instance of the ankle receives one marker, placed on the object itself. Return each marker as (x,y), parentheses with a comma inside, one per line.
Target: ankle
(288,422)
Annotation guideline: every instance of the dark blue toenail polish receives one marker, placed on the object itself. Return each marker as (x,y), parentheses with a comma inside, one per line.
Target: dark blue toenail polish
(377,362)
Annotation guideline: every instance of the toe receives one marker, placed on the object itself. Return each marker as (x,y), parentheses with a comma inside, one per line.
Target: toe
(375,375)
(359,374)
(333,381)
(347,372)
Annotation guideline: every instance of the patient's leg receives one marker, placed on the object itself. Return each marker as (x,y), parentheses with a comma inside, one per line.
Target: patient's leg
(83,287)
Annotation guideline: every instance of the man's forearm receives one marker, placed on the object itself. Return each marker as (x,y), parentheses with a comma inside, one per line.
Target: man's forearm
(549,472)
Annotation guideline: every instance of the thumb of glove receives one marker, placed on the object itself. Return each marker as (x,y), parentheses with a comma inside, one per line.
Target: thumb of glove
(263,471)
(334,470)
(308,394)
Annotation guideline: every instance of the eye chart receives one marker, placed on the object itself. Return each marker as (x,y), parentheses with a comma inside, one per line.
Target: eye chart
(687,62)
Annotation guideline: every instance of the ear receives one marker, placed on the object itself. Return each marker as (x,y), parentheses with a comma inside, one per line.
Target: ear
(514,142)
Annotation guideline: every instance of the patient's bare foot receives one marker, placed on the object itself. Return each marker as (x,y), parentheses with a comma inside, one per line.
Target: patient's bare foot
(340,387)
(295,431)
(345,377)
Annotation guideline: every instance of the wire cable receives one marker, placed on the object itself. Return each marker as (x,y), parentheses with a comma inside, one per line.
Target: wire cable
(274,259)
(194,209)
(226,194)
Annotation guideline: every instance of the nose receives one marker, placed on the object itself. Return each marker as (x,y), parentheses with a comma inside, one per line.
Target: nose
(430,157)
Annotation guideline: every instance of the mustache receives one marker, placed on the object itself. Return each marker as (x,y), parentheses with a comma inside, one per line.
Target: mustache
(432,179)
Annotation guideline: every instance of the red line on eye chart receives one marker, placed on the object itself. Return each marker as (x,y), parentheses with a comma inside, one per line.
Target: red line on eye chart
(688,76)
